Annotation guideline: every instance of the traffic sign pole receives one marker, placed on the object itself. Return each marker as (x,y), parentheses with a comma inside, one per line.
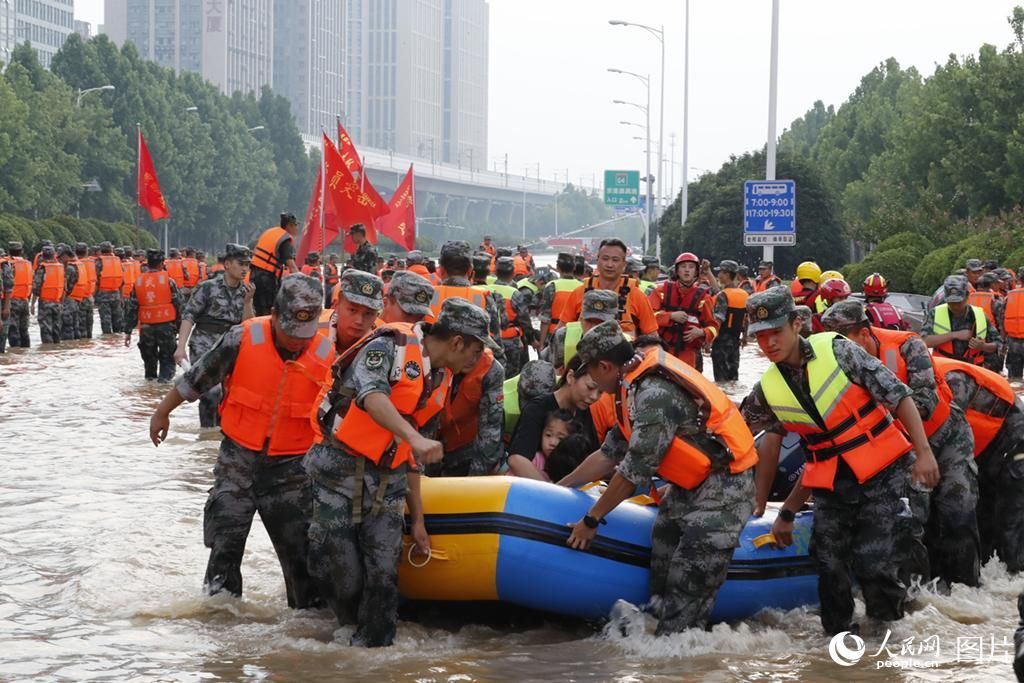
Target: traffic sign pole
(768,252)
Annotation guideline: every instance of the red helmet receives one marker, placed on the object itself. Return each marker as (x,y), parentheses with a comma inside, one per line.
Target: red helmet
(686,256)
(875,285)
(834,290)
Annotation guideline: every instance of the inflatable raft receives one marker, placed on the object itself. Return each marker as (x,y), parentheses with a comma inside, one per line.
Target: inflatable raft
(503,539)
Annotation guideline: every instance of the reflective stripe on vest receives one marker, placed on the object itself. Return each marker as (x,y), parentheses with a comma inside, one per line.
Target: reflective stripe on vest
(510,404)
(884,315)
(527,284)
(511,331)
(943,325)
(473,294)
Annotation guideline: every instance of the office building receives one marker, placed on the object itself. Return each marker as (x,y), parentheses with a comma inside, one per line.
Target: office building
(8,24)
(46,24)
(309,56)
(84,29)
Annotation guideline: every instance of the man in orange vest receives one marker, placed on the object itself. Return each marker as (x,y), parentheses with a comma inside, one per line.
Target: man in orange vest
(85,292)
(273,255)
(155,306)
(730,311)
(331,275)
(524,262)
(176,269)
(110,276)
(1013,328)
(989,297)
(271,368)
(368,435)
(948,513)
(488,247)
(957,330)
(555,294)
(21,292)
(660,431)
(76,284)
(859,461)
(766,277)
(50,287)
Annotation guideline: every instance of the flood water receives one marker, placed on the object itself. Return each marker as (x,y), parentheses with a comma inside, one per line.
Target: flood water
(101,564)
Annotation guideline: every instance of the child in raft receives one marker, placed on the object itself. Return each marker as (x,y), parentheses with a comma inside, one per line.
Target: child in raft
(561,446)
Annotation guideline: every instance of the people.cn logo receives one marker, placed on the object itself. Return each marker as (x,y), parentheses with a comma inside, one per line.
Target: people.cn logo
(842,655)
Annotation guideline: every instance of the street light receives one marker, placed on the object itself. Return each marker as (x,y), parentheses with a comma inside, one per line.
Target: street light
(83,93)
(647,113)
(255,128)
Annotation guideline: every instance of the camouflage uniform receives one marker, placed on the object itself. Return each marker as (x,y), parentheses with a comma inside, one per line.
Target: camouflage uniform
(495,311)
(6,287)
(963,322)
(696,531)
(1014,357)
(515,348)
(49,313)
(547,300)
(85,318)
(485,452)
(598,306)
(69,311)
(157,343)
(365,258)
(108,305)
(725,350)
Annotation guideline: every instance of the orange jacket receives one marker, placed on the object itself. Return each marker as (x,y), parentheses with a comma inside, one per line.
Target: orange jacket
(175,268)
(156,305)
(130,269)
(984,423)
(22,278)
(1013,319)
(685,464)
(474,294)
(763,285)
(191,266)
(52,289)
(264,255)
(267,400)
(111,277)
(86,283)
(983,299)
(460,421)
(736,308)
(635,314)
(889,343)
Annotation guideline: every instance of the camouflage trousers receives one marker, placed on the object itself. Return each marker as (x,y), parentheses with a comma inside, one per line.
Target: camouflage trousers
(1014,357)
(85,318)
(1018,641)
(4,325)
(515,355)
(111,316)
(247,482)
(17,326)
(198,344)
(355,540)
(50,315)
(157,344)
(994,361)
(1001,500)
(725,358)
(863,530)
(69,320)
(692,543)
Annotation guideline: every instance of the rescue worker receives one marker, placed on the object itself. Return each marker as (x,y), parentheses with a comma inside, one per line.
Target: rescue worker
(355,313)
(524,262)
(130,271)
(555,294)
(20,294)
(85,290)
(744,282)
(270,368)
(804,287)
(204,273)
(155,306)
(365,257)
(331,275)
(580,269)
(988,295)
(973,269)
(190,266)
(417,264)
(77,286)
(407,299)
(636,314)
(685,312)
(880,312)
(951,534)
(955,330)
(489,248)
(673,423)
(215,307)
(176,270)
(730,311)
(273,255)
(859,462)
(366,437)
(830,292)
(110,274)
(650,273)
(599,305)
(6,288)
(766,277)
(517,334)
(50,287)
(312,267)
(1013,328)
(218,267)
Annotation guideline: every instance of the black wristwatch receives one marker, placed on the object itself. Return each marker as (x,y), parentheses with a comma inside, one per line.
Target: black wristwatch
(591,522)
(786,515)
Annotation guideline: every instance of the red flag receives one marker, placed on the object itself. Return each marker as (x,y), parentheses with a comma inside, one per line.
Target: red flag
(313,237)
(400,222)
(148,187)
(348,151)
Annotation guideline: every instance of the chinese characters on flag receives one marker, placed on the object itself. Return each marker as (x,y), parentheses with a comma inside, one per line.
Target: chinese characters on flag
(148,187)
(400,222)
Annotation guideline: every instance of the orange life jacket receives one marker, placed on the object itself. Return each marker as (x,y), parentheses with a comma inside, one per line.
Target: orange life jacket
(984,423)
(521,265)
(153,291)
(1013,320)
(331,274)
(459,422)
(52,289)
(216,268)
(736,308)
(983,300)
(889,343)
(763,285)
(312,271)
(191,272)
(22,278)
(112,277)
(264,255)
(564,287)
(85,285)
(267,399)
(130,270)
(685,464)
(203,271)
(474,294)
(175,268)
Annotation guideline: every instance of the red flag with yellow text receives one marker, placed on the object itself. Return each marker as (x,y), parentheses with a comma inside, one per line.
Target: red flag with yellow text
(148,187)
(400,222)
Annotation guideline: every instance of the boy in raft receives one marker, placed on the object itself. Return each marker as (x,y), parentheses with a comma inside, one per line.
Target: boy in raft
(859,462)
(710,471)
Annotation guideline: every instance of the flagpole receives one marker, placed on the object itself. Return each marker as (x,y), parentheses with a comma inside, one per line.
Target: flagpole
(412,190)
(323,186)
(138,175)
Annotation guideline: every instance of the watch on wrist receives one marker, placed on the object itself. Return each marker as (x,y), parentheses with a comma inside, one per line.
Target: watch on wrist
(591,522)
(786,515)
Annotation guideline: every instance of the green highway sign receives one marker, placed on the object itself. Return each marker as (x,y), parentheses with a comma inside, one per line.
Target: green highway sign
(622,188)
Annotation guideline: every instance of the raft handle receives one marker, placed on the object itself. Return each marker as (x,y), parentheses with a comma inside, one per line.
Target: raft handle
(764,539)
(431,555)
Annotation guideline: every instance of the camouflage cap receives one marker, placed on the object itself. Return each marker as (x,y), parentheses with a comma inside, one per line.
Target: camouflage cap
(313,256)
(744,270)
(358,227)
(363,289)
(462,317)
(955,289)
(174,253)
(765,264)
(139,253)
(106,245)
(128,248)
(1003,274)
(536,379)
(415,256)
(15,245)
(991,264)
(842,314)
(457,248)
(298,304)
(64,250)
(154,255)
(564,261)
(805,314)
(769,310)
(729,266)
(413,292)
(974,265)
(81,247)
(600,341)
(119,252)
(600,304)
(987,279)
(48,250)
(504,251)
(650,261)
(238,252)
(481,262)
(504,265)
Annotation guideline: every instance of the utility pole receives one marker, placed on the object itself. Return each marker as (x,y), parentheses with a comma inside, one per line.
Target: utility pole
(768,252)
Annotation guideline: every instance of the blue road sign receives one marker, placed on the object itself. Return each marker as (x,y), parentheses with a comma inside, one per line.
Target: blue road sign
(769,212)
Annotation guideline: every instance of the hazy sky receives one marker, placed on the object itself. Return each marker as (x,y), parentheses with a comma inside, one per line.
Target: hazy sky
(551,96)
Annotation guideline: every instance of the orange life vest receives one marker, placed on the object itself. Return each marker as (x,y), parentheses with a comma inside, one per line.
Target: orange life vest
(889,343)
(331,274)
(983,300)
(1013,320)
(153,291)
(175,269)
(264,255)
(191,271)
(312,271)
(984,423)
(52,289)
(685,464)
(22,278)
(112,277)
(763,285)
(736,308)
(202,271)
(459,422)
(216,268)
(522,265)
(85,285)
(130,270)
(475,295)
(266,398)
(564,287)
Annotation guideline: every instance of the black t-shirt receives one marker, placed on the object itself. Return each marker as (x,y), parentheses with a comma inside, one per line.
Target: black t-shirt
(285,250)
(526,438)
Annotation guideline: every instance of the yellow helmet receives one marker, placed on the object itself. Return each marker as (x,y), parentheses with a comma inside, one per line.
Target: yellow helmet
(832,275)
(809,270)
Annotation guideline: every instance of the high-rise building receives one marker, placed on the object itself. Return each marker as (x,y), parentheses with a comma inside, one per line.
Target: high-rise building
(416,78)
(44,23)
(309,56)
(84,29)
(8,24)
(228,42)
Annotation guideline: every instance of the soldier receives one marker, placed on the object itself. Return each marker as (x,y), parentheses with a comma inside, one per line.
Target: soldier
(730,311)
(215,307)
(368,436)
(331,274)
(174,265)
(108,295)
(270,368)
(50,289)
(955,330)
(131,268)
(859,461)
(88,279)
(555,294)
(766,277)
(710,472)
(951,535)
(365,258)
(21,292)
(201,263)
(76,287)
(356,310)
(517,332)
(523,262)
(743,281)
(599,305)
(1013,329)
(312,266)
(155,306)
(408,298)
(190,265)
(6,289)
(274,254)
